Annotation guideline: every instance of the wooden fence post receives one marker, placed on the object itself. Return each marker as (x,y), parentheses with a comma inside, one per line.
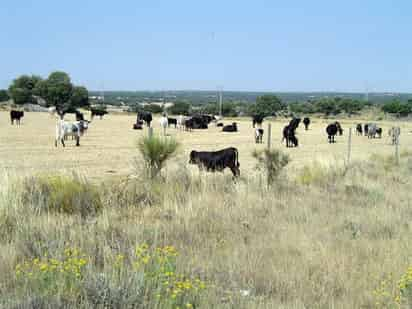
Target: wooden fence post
(397,146)
(349,146)
(269,134)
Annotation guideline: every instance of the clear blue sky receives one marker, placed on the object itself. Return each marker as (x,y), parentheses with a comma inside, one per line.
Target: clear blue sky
(240,45)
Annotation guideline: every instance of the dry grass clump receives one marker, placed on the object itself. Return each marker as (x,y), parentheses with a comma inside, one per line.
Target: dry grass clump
(326,241)
(58,193)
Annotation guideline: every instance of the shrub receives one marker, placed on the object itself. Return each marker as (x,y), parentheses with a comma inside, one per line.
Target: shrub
(61,194)
(405,288)
(155,152)
(271,161)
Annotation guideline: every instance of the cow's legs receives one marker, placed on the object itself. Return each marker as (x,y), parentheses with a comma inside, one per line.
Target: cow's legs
(77,140)
(62,140)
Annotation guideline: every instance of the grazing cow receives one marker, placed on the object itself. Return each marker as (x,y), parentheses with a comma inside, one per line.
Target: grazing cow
(98,112)
(259,135)
(163,123)
(333,129)
(359,130)
(74,129)
(213,161)
(219,124)
(145,116)
(394,133)
(366,129)
(16,116)
(372,130)
(257,120)
(172,121)
(306,122)
(230,128)
(379,132)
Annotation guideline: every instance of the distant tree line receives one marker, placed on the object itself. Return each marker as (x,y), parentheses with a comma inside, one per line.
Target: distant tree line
(59,91)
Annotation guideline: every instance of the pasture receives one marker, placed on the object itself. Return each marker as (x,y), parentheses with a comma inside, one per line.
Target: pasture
(109,146)
(319,237)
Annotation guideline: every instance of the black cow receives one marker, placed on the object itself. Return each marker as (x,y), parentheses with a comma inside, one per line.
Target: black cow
(189,124)
(98,112)
(145,116)
(289,133)
(257,120)
(333,129)
(366,129)
(171,121)
(213,161)
(207,118)
(359,130)
(16,116)
(379,132)
(306,122)
(201,121)
(230,128)
(79,116)
(219,124)
(290,137)
(259,136)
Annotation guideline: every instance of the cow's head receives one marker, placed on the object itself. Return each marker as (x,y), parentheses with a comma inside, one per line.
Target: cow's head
(193,157)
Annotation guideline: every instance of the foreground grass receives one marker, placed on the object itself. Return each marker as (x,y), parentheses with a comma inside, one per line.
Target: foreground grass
(317,238)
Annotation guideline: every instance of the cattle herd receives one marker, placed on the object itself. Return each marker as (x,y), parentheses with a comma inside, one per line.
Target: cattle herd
(205,160)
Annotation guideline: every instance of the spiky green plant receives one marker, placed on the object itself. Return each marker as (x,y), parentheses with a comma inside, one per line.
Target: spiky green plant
(271,161)
(155,152)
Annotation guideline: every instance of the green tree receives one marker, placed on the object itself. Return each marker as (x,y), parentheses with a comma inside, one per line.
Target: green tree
(80,97)
(267,105)
(398,107)
(180,108)
(350,106)
(153,108)
(22,89)
(328,106)
(57,90)
(4,96)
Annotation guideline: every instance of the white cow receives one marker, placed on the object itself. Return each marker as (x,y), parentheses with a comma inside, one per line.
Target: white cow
(65,129)
(181,121)
(164,123)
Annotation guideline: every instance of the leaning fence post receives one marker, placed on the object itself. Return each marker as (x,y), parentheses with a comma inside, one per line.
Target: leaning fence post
(397,146)
(150,132)
(349,146)
(269,134)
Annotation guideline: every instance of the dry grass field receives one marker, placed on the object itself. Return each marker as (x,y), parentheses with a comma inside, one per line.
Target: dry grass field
(109,147)
(322,236)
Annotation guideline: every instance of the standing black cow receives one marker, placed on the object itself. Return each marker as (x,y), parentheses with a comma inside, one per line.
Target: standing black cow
(359,130)
(366,129)
(230,128)
(333,129)
(98,112)
(213,161)
(259,135)
(379,132)
(257,120)
(145,116)
(200,121)
(171,121)
(306,122)
(289,133)
(16,116)
(189,124)
(79,116)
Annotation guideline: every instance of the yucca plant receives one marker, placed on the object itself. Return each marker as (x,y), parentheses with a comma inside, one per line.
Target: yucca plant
(155,152)
(271,161)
